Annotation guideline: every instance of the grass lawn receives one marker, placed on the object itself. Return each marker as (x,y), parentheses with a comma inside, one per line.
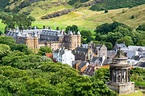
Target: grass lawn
(137,93)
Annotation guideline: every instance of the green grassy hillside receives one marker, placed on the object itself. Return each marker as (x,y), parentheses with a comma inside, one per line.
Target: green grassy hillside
(115,4)
(41,8)
(87,19)
(83,17)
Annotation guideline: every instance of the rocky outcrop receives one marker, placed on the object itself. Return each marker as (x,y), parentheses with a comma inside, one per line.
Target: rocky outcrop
(56,14)
(90,3)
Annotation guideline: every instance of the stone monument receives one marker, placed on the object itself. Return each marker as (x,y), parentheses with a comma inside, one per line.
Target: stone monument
(120,74)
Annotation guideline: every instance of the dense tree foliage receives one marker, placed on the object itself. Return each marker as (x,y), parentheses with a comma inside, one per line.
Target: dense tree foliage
(86,36)
(4,50)
(138,76)
(105,28)
(74,1)
(44,50)
(127,39)
(24,74)
(16,20)
(73,28)
(118,32)
(13,46)
(8,41)
(115,4)
(29,75)
(141,27)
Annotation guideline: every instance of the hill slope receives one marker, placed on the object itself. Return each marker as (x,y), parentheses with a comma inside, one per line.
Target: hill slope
(115,4)
(87,19)
(82,16)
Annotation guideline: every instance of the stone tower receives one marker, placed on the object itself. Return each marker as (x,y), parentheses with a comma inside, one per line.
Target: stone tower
(31,42)
(35,41)
(72,41)
(120,74)
(78,39)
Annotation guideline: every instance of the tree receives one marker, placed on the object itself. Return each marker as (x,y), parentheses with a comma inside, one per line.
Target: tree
(68,28)
(4,50)
(86,36)
(132,17)
(31,18)
(103,29)
(1,32)
(105,11)
(137,76)
(113,37)
(141,43)
(109,45)
(44,50)
(103,38)
(8,41)
(123,31)
(127,39)
(141,27)
(23,48)
(136,36)
(73,28)
(17,20)
(99,79)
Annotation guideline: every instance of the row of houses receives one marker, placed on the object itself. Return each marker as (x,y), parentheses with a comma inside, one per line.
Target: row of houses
(85,58)
(89,57)
(135,54)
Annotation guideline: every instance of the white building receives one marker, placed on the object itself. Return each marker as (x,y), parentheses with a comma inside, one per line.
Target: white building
(64,56)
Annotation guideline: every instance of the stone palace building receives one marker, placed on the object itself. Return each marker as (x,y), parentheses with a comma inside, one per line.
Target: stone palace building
(55,39)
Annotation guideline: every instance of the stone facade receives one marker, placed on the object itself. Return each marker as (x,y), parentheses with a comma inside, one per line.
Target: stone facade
(84,54)
(120,74)
(46,37)
(87,51)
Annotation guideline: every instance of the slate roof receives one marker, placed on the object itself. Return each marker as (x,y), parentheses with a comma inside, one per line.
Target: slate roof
(84,45)
(96,58)
(82,64)
(82,49)
(135,57)
(111,53)
(99,45)
(90,70)
(140,64)
(60,51)
(121,45)
(136,48)
(92,45)
(107,61)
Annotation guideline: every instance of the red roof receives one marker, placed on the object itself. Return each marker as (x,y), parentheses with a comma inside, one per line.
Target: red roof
(49,55)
